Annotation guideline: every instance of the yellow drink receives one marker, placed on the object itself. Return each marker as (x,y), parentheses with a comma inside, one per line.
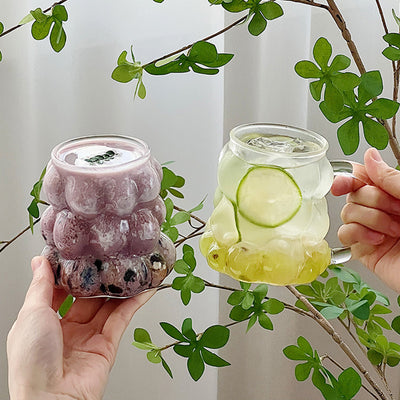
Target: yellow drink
(270,216)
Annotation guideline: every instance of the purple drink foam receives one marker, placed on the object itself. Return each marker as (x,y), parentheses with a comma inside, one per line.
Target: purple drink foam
(105,207)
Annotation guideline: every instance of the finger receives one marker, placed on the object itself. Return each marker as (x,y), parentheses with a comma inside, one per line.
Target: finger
(353,233)
(83,310)
(374,197)
(120,317)
(41,289)
(346,184)
(383,176)
(371,218)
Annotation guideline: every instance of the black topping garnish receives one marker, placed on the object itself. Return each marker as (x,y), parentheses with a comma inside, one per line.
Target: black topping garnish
(114,289)
(156,257)
(58,274)
(98,264)
(130,275)
(103,288)
(88,276)
(44,237)
(101,158)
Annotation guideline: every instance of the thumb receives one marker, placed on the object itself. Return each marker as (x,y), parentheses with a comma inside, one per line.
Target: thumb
(383,176)
(41,289)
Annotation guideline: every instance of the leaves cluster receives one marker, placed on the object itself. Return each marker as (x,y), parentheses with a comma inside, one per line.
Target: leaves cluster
(348,98)
(259,12)
(195,347)
(252,305)
(188,283)
(345,387)
(33,208)
(50,24)
(202,58)
(350,298)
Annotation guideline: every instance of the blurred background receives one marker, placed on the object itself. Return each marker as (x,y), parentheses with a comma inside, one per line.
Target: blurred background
(186,118)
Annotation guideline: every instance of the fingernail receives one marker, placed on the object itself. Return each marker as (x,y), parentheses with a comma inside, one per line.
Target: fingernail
(375,155)
(36,263)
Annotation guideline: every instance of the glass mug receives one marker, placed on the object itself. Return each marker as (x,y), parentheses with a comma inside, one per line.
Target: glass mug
(102,228)
(270,214)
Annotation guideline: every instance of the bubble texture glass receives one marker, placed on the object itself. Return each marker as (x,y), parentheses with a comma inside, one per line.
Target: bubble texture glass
(291,253)
(102,228)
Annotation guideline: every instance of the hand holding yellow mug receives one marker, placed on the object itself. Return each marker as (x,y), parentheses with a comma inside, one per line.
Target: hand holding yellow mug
(270,216)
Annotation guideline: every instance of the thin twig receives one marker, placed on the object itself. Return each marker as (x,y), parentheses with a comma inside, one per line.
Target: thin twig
(7,243)
(227,28)
(310,3)
(326,325)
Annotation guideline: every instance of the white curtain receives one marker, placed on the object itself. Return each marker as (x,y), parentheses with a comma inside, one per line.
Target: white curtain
(47,97)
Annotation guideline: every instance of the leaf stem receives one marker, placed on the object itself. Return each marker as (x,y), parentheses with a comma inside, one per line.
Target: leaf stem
(326,325)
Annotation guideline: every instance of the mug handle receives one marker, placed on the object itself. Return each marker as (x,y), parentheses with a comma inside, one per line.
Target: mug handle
(342,168)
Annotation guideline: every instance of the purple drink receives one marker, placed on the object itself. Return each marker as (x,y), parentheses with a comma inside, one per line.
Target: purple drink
(102,228)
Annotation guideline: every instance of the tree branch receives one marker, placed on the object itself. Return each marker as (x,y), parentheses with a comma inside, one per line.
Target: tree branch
(326,325)
(8,242)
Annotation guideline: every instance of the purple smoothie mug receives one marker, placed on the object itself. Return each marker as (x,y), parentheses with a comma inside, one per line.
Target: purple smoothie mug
(102,228)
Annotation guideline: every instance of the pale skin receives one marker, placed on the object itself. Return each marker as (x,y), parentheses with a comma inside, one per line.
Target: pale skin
(51,358)
(371,216)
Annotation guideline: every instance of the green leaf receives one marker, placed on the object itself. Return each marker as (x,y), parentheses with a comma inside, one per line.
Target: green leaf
(166,367)
(349,137)
(186,295)
(248,300)
(203,52)
(212,359)
(58,38)
(339,63)
(172,331)
(125,73)
(181,267)
(391,53)
(235,6)
(179,218)
(195,365)
(190,260)
(302,371)
(260,292)
(252,321)
(333,99)
(292,352)
(304,345)
(169,178)
(39,15)
(393,39)
(197,285)
(28,18)
(187,329)
(396,18)
(140,335)
(257,24)
(316,89)
(142,90)
(221,60)
(307,69)
(306,290)
(215,337)
(350,383)
(322,52)
(382,108)
(270,10)
(371,86)
(374,357)
(331,312)
(273,306)
(346,81)
(154,356)
(184,350)
(346,275)
(265,321)
(40,30)
(375,133)
(334,115)
(65,306)
(239,314)
(396,324)
(33,209)
(236,298)
(359,309)
(245,285)
(60,12)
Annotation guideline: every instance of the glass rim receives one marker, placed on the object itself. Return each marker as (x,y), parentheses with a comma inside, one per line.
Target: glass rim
(87,169)
(288,128)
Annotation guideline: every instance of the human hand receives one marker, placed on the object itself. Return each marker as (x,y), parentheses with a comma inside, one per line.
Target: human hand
(69,358)
(371,217)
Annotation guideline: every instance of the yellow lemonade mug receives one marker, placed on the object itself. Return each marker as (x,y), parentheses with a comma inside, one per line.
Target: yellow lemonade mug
(270,214)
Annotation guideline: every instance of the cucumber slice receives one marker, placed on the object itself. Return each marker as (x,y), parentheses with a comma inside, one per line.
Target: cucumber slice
(268,196)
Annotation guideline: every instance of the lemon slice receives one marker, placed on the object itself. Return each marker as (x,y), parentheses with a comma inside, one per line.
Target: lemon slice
(268,196)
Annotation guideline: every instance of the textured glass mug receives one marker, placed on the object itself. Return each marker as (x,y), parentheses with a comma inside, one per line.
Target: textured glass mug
(102,228)
(281,249)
